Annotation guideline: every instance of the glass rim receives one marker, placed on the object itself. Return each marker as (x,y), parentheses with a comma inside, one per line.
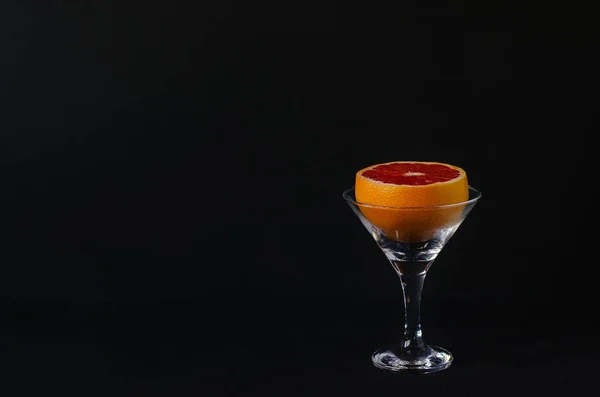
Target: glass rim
(473,200)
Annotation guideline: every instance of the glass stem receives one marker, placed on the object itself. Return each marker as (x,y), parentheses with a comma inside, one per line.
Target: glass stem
(413,344)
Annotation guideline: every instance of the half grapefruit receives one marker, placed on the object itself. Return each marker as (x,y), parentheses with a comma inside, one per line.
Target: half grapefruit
(403,198)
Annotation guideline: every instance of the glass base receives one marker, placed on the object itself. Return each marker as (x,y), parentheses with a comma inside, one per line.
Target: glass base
(390,358)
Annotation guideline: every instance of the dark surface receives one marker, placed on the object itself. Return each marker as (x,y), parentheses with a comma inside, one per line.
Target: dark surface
(306,348)
(171,217)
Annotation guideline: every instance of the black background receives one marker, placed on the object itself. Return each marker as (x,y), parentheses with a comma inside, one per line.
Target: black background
(172,219)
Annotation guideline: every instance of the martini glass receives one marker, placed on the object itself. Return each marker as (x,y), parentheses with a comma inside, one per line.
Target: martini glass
(411,238)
